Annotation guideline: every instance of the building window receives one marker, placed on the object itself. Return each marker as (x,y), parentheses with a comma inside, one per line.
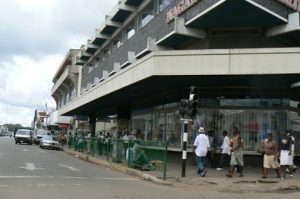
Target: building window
(118,42)
(130,30)
(90,68)
(146,15)
(163,4)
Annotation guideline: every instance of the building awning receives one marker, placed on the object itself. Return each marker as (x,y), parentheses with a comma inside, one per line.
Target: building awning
(162,77)
(133,2)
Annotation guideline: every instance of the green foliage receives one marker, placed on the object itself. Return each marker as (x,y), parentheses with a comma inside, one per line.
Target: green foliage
(12,127)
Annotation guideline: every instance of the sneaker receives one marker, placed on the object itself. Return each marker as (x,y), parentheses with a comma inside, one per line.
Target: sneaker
(203,173)
(219,169)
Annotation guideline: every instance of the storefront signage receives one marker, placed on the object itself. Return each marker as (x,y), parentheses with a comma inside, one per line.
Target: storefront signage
(178,9)
(294,4)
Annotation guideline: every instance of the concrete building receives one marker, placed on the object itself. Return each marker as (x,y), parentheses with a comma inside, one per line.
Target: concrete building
(244,56)
(65,89)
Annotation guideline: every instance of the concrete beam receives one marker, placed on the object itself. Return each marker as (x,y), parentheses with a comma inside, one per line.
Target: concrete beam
(292,25)
(181,29)
(109,22)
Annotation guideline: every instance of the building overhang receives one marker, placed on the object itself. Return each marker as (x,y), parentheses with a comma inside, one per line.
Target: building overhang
(79,61)
(121,12)
(289,31)
(133,2)
(236,13)
(180,34)
(166,71)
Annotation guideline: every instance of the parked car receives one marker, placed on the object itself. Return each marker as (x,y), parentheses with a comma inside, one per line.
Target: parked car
(47,141)
(24,136)
(39,134)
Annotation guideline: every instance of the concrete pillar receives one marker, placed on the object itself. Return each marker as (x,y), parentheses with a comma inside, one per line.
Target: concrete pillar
(92,121)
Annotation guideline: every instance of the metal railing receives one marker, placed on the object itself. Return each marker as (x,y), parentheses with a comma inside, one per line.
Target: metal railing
(150,156)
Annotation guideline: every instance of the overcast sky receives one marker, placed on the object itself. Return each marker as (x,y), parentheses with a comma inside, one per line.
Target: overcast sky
(35,35)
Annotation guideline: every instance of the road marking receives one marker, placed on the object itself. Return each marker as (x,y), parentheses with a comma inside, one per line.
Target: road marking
(42,151)
(69,167)
(125,179)
(3,185)
(26,150)
(18,177)
(72,177)
(30,166)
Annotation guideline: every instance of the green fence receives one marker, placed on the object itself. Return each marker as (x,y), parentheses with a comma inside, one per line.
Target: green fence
(150,156)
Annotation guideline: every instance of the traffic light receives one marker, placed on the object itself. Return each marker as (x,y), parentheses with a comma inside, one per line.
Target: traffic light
(183,107)
(193,101)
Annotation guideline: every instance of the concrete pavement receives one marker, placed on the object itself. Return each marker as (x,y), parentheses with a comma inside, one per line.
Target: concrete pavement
(214,180)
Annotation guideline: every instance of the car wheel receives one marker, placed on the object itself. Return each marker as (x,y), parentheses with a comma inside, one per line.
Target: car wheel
(30,143)
(16,142)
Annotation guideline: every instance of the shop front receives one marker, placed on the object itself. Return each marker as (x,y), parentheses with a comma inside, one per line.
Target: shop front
(255,118)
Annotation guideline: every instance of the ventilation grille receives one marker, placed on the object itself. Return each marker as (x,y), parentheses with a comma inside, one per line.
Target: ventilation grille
(235,32)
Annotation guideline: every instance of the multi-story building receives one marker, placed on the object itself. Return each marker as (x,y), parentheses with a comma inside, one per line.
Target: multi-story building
(65,89)
(244,56)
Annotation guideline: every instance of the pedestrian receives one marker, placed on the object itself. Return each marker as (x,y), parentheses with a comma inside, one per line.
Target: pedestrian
(270,160)
(201,146)
(210,158)
(237,159)
(225,153)
(293,141)
(285,154)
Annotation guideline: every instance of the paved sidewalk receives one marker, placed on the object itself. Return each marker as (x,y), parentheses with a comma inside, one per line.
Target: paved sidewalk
(214,180)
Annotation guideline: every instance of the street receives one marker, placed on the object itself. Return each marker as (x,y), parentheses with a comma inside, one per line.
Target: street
(26,171)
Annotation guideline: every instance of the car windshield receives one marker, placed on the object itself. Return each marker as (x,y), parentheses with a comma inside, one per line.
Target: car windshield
(23,133)
(44,133)
(48,137)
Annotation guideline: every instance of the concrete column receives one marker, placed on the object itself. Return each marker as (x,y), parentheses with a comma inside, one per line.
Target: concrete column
(92,121)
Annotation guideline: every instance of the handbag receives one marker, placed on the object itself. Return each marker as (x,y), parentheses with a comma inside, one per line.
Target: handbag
(260,147)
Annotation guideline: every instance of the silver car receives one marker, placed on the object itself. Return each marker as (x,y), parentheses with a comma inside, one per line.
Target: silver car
(39,134)
(48,142)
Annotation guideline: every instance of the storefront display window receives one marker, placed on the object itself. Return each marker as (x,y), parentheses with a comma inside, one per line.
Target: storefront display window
(163,123)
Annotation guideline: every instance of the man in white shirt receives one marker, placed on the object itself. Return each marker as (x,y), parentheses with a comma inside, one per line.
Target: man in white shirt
(201,146)
(225,153)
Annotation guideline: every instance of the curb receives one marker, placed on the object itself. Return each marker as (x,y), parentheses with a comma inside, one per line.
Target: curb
(118,167)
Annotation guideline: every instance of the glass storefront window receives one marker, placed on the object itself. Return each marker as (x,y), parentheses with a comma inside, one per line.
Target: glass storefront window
(142,122)
(254,125)
(162,123)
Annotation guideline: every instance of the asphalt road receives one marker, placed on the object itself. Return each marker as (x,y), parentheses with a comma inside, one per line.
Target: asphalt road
(26,172)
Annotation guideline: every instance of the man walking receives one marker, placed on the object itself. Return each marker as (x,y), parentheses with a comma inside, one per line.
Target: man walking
(201,146)
(236,153)
(225,153)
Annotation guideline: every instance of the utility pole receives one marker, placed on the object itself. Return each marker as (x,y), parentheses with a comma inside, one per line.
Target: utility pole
(188,110)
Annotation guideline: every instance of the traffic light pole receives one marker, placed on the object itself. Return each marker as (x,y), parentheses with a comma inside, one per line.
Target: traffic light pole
(184,147)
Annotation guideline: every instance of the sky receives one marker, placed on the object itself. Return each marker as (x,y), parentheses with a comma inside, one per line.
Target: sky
(35,36)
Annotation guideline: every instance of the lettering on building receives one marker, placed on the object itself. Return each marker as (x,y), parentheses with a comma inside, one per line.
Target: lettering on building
(294,4)
(180,8)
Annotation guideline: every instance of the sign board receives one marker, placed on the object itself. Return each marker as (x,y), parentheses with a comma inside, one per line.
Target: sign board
(294,4)
(180,8)
(81,117)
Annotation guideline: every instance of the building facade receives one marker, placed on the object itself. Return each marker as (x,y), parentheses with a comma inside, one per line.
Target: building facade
(244,56)
(65,89)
